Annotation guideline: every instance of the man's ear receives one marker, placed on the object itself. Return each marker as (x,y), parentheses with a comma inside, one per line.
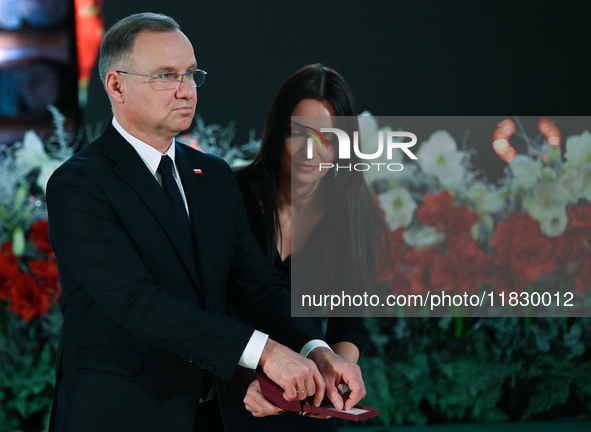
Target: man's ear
(114,86)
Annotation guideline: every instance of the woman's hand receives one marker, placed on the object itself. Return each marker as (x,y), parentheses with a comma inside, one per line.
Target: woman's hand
(346,350)
(257,404)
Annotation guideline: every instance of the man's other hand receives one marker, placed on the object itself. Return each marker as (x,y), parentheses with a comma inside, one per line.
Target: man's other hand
(336,370)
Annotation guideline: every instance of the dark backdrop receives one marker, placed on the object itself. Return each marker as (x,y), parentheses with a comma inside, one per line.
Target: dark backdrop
(419,57)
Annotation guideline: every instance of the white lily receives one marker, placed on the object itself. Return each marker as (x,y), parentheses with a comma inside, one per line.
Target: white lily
(572,185)
(31,155)
(439,157)
(548,206)
(578,150)
(527,172)
(399,207)
(555,221)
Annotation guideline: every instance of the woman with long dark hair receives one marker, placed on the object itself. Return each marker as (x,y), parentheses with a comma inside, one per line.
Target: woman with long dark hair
(291,204)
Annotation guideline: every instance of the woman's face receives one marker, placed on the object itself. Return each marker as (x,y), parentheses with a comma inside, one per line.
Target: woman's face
(312,115)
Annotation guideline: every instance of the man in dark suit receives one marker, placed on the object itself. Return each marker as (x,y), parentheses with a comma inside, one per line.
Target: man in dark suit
(146,233)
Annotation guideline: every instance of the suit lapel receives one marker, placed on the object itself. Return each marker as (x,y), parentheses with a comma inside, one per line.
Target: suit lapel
(133,171)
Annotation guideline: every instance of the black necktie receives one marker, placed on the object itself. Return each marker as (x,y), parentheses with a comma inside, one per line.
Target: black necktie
(172,192)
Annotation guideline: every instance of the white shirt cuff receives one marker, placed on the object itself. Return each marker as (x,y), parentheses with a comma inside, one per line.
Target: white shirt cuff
(254,349)
(314,343)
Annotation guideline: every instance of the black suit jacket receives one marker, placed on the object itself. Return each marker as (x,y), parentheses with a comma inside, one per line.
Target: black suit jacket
(144,315)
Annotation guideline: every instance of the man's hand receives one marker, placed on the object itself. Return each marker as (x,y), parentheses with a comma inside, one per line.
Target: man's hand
(296,375)
(336,370)
(257,404)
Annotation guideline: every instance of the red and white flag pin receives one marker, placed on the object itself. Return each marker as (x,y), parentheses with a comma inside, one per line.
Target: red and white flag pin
(197,171)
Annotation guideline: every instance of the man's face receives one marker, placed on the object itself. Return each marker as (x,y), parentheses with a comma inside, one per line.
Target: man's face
(152,113)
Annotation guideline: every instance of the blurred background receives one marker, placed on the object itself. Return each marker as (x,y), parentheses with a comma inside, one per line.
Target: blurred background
(401,58)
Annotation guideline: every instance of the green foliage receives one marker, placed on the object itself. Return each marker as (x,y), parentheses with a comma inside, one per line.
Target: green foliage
(420,370)
(27,378)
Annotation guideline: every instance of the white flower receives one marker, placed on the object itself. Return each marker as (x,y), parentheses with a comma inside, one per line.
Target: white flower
(548,195)
(527,172)
(573,186)
(399,207)
(554,223)
(422,237)
(485,201)
(46,171)
(548,206)
(31,155)
(578,150)
(439,157)
(585,178)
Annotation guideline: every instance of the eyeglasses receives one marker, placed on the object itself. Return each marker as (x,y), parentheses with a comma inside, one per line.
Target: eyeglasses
(170,80)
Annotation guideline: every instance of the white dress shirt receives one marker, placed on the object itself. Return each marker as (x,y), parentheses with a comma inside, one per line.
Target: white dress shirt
(254,348)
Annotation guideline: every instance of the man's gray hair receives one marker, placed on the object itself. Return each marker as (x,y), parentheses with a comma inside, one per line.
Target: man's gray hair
(118,41)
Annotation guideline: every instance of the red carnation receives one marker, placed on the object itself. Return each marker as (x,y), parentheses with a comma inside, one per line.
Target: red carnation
(460,222)
(445,274)
(400,283)
(9,271)
(471,263)
(520,245)
(533,255)
(579,219)
(399,248)
(583,282)
(569,246)
(28,299)
(420,281)
(44,269)
(39,237)
(436,209)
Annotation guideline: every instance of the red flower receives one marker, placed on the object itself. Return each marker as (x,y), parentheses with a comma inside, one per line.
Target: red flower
(471,263)
(579,219)
(533,255)
(9,271)
(28,299)
(398,247)
(436,209)
(583,282)
(569,246)
(445,274)
(39,237)
(400,283)
(420,281)
(463,270)
(44,269)
(520,245)
(460,222)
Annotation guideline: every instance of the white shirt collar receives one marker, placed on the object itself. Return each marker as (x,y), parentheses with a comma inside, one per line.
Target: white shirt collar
(149,154)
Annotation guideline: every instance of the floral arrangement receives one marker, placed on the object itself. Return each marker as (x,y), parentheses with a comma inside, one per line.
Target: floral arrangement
(453,230)
(29,285)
